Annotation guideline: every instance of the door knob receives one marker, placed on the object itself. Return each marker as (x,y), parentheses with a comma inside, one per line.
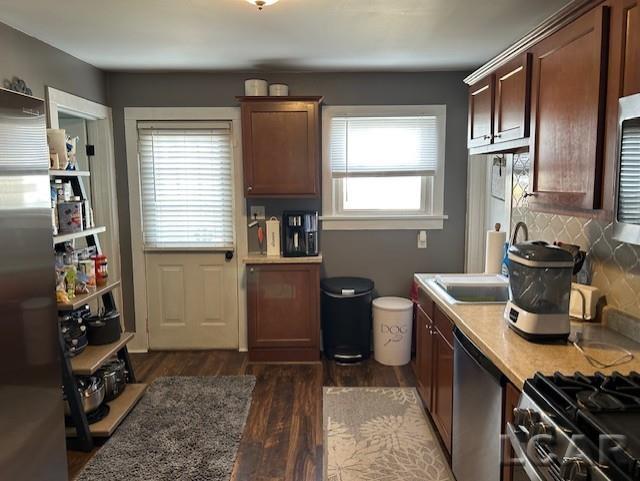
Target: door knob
(228,255)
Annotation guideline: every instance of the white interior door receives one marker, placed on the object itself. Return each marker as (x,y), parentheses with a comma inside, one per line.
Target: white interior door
(192,300)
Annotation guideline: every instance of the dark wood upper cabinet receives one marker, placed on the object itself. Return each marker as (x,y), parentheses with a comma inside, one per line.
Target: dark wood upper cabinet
(281,146)
(481,113)
(631,25)
(512,100)
(283,312)
(567,114)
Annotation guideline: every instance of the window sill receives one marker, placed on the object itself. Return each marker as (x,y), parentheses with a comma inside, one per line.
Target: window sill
(398,222)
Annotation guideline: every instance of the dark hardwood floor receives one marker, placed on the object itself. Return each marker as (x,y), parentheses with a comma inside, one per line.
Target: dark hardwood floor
(283,436)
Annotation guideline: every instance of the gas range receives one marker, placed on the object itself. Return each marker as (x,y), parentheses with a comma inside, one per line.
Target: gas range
(578,428)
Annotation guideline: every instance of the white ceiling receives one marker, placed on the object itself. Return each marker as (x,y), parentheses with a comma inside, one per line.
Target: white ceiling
(290,35)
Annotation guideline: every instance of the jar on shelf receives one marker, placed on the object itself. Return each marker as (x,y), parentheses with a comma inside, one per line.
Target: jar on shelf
(102,269)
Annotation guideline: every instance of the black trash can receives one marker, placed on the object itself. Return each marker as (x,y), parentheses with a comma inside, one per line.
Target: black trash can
(346,318)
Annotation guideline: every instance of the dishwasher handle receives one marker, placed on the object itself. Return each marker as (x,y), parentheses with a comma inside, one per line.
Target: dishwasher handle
(474,353)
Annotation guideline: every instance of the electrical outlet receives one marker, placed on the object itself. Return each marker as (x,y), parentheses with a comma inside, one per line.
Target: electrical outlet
(257,212)
(422,239)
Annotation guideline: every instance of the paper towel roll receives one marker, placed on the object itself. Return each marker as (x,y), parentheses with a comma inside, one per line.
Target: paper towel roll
(494,251)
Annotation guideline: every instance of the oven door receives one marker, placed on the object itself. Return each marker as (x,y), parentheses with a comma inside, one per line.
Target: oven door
(525,468)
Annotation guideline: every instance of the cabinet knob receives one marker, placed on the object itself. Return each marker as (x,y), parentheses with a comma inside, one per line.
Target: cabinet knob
(497,136)
(486,137)
(249,189)
(252,269)
(530,194)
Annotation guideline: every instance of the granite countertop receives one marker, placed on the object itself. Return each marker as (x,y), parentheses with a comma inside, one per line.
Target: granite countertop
(254,258)
(520,359)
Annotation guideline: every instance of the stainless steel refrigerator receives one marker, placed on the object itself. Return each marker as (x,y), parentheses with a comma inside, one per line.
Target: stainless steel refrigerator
(32,438)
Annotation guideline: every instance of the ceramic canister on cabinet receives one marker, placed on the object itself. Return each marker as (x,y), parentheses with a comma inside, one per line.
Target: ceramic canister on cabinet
(273,237)
(278,90)
(254,87)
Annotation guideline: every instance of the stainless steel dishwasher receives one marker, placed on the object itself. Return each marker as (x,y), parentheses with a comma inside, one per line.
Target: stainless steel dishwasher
(477,413)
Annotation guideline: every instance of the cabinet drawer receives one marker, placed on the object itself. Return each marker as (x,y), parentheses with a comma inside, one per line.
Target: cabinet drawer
(443,325)
(426,303)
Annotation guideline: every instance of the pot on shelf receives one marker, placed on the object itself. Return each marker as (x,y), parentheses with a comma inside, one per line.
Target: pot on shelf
(114,376)
(103,328)
(92,391)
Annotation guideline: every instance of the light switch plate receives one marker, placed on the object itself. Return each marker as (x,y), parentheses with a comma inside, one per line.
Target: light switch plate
(422,239)
(257,212)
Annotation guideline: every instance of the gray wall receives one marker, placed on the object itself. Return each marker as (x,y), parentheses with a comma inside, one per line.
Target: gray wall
(388,257)
(40,64)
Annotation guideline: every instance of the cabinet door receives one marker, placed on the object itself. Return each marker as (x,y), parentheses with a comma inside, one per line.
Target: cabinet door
(567,118)
(281,148)
(481,113)
(512,100)
(282,306)
(631,25)
(442,411)
(511,397)
(424,357)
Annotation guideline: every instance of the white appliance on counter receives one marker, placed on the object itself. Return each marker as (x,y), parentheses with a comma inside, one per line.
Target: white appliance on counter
(539,291)
(273,237)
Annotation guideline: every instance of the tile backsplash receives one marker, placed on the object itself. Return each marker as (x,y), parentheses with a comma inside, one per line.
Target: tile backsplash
(613,267)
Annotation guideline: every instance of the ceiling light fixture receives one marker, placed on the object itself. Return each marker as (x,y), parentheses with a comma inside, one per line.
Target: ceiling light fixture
(262,3)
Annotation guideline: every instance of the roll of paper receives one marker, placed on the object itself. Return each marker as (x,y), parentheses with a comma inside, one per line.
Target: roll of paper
(494,251)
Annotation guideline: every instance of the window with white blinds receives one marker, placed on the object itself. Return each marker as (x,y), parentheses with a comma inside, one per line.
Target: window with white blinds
(381,163)
(186,184)
(629,176)
(383,146)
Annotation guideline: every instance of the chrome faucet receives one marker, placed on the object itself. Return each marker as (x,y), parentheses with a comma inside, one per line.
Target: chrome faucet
(516,230)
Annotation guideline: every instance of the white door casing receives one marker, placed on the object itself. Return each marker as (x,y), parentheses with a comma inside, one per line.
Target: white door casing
(156,273)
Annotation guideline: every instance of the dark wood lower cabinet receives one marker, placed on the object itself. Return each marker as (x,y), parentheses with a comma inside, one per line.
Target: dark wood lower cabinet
(511,396)
(424,357)
(283,312)
(442,410)
(434,365)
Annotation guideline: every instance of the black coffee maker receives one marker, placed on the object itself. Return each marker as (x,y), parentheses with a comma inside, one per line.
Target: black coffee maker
(299,233)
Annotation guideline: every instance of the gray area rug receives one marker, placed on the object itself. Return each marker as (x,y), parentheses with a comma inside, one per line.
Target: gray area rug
(379,434)
(184,428)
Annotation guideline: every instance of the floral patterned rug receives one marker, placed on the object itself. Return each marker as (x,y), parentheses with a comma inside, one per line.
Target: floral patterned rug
(379,434)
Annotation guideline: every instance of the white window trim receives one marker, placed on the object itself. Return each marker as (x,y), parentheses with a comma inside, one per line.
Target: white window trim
(132,115)
(371,221)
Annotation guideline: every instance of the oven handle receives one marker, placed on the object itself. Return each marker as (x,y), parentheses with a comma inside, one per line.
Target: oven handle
(527,465)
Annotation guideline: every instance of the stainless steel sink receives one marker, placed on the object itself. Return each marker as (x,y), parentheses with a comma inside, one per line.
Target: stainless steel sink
(470,289)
